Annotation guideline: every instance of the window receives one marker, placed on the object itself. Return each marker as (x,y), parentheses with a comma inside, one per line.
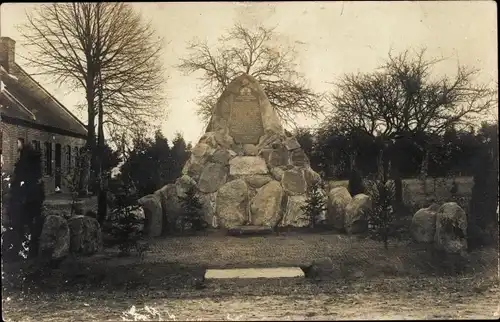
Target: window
(48,158)
(68,159)
(36,145)
(20,144)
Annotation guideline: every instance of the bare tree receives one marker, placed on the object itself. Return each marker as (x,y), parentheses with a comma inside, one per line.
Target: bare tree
(104,49)
(404,101)
(258,53)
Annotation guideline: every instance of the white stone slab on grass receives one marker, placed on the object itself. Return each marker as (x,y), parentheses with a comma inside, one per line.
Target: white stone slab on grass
(275,272)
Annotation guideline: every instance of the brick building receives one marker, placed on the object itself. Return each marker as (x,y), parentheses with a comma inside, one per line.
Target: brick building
(31,115)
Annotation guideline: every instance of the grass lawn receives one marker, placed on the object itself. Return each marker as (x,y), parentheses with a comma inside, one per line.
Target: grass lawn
(357,279)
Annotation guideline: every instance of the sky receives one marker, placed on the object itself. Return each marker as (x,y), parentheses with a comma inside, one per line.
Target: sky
(332,38)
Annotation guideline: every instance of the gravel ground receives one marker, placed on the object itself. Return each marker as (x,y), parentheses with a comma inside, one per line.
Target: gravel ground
(382,299)
(366,282)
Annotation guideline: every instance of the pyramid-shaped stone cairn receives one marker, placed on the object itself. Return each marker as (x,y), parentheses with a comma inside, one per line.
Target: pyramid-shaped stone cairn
(246,170)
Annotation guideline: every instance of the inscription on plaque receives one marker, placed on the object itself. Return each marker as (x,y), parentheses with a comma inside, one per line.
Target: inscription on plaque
(245,121)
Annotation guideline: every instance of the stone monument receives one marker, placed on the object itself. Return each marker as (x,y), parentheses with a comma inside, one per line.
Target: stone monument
(246,169)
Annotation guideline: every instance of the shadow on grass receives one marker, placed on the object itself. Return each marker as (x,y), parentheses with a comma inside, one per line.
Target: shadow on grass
(350,260)
(77,276)
(409,261)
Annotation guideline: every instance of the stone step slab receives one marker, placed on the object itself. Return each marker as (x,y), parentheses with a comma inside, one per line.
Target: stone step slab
(274,272)
(249,230)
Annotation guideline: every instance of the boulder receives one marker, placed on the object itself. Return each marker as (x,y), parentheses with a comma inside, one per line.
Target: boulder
(224,139)
(238,149)
(62,210)
(277,173)
(299,158)
(89,205)
(208,201)
(182,185)
(434,207)
(265,206)
(293,182)
(275,157)
(193,167)
(199,155)
(171,207)
(335,184)
(294,214)
(232,202)
(209,139)
(153,223)
(221,156)
(257,180)
(250,149)
(201,151)
(267,140)
(266,155)
(214,175)
(54,242)
(247,165)
(338,200)
(423,225)
(311,176)
(451,229)
(291,143)
(356,220)
(85,235)
(232,154)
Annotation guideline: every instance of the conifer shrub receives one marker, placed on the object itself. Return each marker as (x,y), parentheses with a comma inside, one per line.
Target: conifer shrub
(25,206)
(381,217)
(192,211)
(315,204)
(482,226)
(123,223)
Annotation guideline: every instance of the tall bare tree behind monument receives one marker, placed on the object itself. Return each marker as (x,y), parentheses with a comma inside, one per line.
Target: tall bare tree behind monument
(404,101)
(105,50)
(256,52)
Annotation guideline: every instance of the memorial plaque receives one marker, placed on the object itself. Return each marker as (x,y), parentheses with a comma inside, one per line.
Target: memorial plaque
(245,121)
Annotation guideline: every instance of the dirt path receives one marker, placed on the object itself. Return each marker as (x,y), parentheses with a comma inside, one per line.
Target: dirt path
(424,298)
(421,305)
(325,307)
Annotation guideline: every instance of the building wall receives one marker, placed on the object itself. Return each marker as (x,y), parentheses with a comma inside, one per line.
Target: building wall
(10,135)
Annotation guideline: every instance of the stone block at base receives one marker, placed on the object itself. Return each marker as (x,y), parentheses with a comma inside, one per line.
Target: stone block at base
(249,230)
(274,272)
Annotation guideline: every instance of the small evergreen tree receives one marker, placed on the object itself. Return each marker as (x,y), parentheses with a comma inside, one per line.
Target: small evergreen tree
(179,155)
(26,201)
(123,223)
(482,227)
(193,214)
(315,204)
(381,216)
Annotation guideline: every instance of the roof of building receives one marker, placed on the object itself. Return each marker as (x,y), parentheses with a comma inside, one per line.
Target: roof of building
(24,98)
